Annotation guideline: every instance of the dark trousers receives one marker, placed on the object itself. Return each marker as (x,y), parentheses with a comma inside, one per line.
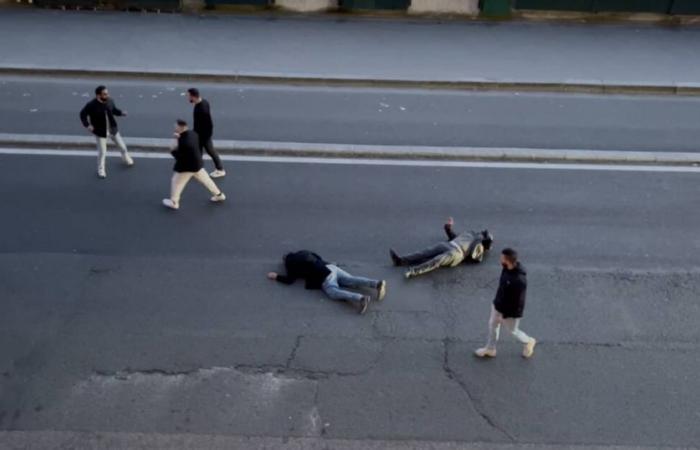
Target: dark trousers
(429,259)
(208,146)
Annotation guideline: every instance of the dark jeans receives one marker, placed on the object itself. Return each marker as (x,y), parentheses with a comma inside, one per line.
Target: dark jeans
(208,146)
(440,255)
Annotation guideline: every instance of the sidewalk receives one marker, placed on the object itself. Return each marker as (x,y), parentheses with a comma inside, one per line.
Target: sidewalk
(345,50)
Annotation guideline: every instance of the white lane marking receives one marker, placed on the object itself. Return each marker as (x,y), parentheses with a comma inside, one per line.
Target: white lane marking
(378,162)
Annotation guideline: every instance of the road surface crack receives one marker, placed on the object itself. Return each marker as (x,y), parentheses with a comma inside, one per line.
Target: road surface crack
(293,354)
(476,404)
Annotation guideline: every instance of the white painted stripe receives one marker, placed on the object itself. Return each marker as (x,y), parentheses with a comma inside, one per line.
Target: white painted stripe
(379,162)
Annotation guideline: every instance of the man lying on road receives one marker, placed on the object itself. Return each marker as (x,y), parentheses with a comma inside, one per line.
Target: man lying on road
(320,274)
(468,246)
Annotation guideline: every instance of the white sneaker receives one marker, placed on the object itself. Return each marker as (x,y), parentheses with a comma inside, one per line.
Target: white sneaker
(486,352)
(101,173)
(218,174)
(220,197)
(170,204)
(529,348)
(128,160)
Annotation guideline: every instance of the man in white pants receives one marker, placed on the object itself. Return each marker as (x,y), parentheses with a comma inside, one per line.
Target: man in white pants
(188,165)
(508,306)
(98,117)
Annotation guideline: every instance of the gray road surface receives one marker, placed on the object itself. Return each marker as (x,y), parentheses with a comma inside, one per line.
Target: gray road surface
(367,116)
(121,316)
(342,48)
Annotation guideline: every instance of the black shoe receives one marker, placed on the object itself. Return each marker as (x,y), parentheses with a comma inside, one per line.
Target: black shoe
(364,304)
(395,258)
(381,290)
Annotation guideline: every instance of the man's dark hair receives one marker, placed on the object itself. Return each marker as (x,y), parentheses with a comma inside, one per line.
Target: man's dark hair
(182,123)
(194,92)
(99,89)
(510,254)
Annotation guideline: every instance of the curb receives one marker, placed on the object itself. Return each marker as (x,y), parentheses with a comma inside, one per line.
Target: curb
(566,86)
(300,149)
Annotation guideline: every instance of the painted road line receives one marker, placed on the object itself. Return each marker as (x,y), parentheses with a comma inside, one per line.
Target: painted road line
(401,152)
(379,162)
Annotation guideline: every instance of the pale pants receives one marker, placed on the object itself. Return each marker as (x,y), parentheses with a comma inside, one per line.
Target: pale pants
(102,148)
(512,324)
(180,180)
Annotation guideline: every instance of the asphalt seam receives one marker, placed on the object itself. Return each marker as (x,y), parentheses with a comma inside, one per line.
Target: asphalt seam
(476,404)
(593,86)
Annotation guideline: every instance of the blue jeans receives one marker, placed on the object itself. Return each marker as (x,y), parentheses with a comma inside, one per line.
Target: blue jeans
(338,278)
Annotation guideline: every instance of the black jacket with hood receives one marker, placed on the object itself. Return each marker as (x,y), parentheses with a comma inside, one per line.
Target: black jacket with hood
(512,289)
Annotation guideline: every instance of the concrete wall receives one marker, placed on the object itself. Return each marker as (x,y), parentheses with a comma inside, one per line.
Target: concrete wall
(468,7)
(306,5)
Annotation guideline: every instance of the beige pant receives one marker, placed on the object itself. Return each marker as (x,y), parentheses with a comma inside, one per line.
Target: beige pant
(102,149)
(512,324)
(180,180)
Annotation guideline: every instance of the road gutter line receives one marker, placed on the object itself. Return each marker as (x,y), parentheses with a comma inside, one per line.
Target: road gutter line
(363,151)
(379,162)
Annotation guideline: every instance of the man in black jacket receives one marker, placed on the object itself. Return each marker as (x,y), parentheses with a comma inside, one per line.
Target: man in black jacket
(319,274)
(188,164)
(508,306)
(204,127)
(469,246)
(98,117)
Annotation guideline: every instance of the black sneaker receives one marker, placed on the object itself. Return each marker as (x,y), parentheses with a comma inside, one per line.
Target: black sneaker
(364,304)
(381,290)
(395,258)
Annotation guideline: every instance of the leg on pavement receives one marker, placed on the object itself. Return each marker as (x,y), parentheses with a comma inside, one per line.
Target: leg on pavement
(209,148)
(101,155)
(177,185)
(350,281)
(332,289)
(494,328)
(117,139)
(427,254)
(203,177)
(445,259)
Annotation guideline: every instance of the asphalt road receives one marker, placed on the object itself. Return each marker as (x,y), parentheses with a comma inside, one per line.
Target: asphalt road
(367,116)
(121,316)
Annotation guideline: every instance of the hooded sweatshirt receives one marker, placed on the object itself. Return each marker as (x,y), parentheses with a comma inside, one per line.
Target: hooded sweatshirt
(512,288)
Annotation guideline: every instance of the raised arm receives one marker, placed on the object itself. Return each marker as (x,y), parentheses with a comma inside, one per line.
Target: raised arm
(116,111)
(448,229)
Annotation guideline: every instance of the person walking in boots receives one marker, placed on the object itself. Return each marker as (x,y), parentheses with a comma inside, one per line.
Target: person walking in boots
(508,306)
(188,164)
(98,116)
(204,127)
(469,246)
(319,274)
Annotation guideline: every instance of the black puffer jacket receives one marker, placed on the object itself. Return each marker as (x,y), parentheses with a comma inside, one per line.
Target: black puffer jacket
(306,265)
(512,289)
(188,157)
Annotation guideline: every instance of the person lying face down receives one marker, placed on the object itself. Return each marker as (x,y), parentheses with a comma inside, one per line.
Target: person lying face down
(467,246)
(331,279)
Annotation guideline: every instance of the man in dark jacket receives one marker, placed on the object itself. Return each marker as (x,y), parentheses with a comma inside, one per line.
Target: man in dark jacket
(188,164)
(98,117)
(469,246)
(319,274)
(508,306)
(204,127)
